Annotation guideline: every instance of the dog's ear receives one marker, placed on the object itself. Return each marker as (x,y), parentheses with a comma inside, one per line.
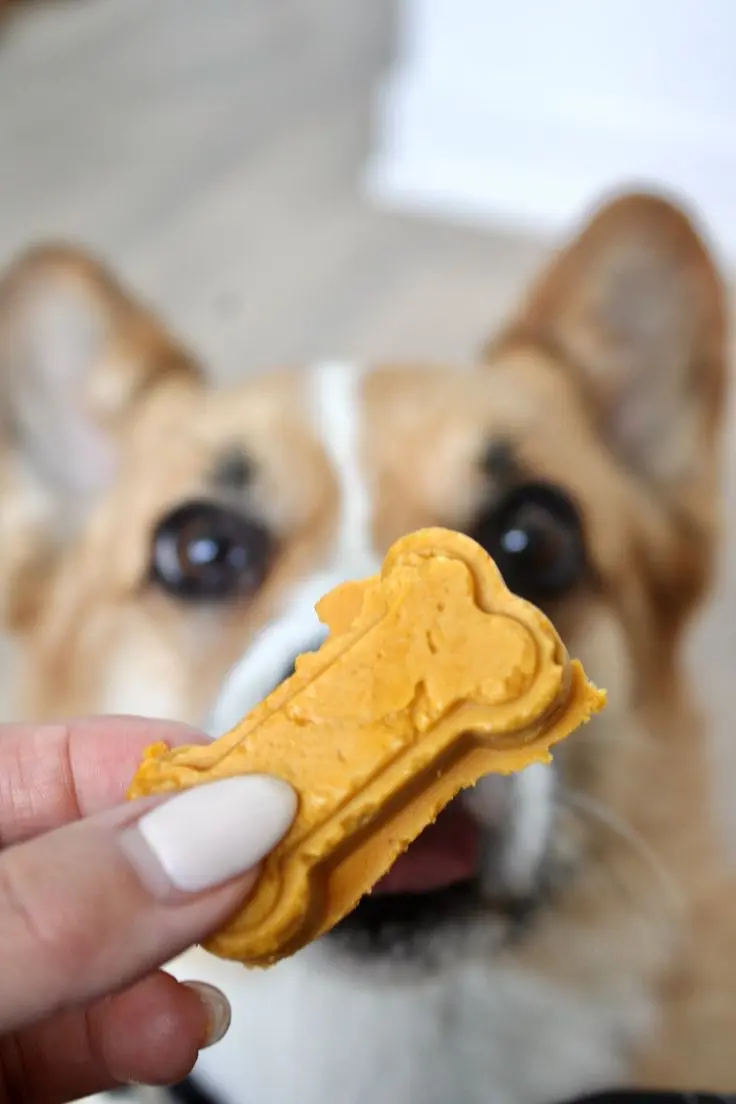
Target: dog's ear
(77,354)
(634,308)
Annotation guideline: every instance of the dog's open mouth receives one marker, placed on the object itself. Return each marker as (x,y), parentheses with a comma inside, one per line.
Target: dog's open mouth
(434,881)
(444,855)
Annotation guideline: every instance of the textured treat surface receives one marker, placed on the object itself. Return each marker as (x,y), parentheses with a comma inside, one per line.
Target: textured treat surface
(433,674)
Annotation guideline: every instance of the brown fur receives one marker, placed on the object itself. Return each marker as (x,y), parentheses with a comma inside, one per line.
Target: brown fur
(610,382)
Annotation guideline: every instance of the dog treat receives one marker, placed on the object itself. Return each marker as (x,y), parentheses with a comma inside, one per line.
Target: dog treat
(433,674)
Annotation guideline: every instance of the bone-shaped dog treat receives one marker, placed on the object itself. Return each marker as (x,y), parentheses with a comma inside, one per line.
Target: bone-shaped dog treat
(433,675)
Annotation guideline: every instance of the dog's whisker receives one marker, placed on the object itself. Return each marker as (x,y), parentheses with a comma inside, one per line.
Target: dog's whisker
(599,812)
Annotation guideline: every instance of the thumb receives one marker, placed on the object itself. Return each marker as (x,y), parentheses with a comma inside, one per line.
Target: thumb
(95,905)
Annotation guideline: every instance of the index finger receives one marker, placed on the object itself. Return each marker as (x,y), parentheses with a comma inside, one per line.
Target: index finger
(55,773)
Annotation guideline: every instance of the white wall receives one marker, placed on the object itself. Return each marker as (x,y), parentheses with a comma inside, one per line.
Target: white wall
(526,110)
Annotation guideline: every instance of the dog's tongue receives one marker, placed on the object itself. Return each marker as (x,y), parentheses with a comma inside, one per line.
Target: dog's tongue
(444,854)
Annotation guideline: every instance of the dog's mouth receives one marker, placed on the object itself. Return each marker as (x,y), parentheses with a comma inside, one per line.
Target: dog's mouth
(480,872)
(441,879)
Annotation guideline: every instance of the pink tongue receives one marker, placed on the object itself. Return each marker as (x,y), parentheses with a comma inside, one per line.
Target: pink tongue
(445,853)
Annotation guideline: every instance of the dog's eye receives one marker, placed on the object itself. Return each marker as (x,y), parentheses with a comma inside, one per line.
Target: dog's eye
(534,535)
(203,551)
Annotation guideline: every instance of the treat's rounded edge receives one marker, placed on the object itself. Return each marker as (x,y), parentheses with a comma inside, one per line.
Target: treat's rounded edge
(490,590)
(436,542)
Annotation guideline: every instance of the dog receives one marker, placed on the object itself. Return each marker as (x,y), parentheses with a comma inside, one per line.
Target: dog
(164,542)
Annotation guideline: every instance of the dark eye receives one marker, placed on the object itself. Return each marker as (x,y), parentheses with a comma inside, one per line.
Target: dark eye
(203,551)
(534,535)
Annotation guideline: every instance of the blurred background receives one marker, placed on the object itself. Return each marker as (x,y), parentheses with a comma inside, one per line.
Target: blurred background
(284,179)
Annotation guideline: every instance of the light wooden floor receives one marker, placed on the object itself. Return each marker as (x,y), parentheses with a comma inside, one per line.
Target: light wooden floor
(212,151)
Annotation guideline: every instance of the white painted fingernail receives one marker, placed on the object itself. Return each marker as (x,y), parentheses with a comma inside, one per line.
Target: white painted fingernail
(211,833)
(217,1008)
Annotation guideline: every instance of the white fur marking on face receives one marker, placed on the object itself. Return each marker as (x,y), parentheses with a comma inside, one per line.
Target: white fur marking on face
(336,414)
(528,827)
(313,1030)
(520,808)
(335,409)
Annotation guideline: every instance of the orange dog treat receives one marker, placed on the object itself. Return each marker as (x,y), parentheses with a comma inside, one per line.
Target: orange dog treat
(433,675)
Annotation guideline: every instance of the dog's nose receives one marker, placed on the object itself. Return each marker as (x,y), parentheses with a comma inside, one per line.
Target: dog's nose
(290,667)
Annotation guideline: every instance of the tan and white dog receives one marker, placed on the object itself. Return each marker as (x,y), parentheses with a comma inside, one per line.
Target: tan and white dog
(164,541)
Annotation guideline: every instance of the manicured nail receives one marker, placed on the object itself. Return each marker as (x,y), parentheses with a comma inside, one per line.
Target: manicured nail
(217,1009)
(209,834)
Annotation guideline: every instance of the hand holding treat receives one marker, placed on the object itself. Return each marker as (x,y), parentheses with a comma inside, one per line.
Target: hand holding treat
(433,675)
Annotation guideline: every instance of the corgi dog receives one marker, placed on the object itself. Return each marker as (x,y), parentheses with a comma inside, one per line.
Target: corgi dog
(164,542)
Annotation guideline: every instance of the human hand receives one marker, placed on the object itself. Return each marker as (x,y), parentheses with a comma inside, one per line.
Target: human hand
(96,894)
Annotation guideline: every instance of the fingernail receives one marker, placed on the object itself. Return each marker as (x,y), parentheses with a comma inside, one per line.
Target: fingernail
(211,833)
(217,1009)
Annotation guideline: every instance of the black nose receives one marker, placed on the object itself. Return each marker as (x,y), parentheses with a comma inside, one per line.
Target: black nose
(312,646)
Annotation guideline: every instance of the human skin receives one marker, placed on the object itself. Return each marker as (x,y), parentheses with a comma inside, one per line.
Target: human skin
(96,894)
